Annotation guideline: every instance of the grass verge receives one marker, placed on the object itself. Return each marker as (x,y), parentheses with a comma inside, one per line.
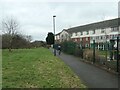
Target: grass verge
(36,68)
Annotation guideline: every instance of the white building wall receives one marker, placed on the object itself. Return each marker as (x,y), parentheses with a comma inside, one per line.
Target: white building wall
(73,34)
(78,33)
(97,35)
(90,32)
(64,36)
(97,32)
(108,30)
(84,32)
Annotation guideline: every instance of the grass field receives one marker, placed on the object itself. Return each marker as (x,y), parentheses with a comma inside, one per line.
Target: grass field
(36,68)
(103,52)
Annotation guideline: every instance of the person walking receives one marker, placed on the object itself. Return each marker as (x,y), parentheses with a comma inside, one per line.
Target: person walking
(59,49)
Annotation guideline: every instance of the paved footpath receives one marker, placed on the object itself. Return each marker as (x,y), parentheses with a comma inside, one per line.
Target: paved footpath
(91,76)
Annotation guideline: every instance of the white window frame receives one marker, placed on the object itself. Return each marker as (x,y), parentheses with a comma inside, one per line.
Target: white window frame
(81,33)
(86,38)
(93,32)
(87,32)
(80,39)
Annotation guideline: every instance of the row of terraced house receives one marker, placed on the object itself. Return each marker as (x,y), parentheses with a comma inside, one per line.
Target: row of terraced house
(102,32)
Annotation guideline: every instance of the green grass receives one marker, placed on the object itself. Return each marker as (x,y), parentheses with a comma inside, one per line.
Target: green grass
(36,68)
(103,53)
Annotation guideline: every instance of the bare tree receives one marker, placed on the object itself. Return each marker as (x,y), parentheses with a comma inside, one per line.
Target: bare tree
(10,27)
(29,38)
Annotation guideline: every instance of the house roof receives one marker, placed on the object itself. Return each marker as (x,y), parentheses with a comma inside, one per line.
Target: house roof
(97,25)
(57,34)
(61,32)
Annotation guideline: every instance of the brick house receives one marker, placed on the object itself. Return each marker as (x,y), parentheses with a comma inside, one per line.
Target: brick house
(101,32)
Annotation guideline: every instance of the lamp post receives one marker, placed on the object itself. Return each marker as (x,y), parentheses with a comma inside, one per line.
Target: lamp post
(54,35)
(93,51)
(118,53)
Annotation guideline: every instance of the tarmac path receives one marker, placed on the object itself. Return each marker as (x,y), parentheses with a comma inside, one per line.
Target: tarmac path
(92,76)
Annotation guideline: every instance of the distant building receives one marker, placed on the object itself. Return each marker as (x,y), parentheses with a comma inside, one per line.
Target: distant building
(64,35)
(101,32)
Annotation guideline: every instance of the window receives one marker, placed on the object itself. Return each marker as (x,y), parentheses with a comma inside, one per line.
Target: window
(81,33)
(76,40)
(78,34)
(105,37)
(80,39)
(110,36)
(91,38)
(86,38)
(100,37)
(113,29)
(103,31)
(97,37)
(93,32)
(87,32)
(75,34)
(115,36)
(87,45)
(66,35)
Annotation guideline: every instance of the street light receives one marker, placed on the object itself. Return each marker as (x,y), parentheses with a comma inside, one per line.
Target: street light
(54,35)
(93,50)
(118,53)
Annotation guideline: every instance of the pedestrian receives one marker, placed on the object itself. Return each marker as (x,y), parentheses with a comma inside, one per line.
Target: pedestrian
(59,49)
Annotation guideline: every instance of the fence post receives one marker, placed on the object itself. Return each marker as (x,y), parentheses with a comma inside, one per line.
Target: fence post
(106,48)
(93,51)
(117,54)
(111,48)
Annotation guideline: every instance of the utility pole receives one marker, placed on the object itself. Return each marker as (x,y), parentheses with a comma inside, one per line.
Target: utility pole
(54,35)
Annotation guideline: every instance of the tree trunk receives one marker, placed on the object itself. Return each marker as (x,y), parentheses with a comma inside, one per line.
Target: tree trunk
(10,45)
(10,50)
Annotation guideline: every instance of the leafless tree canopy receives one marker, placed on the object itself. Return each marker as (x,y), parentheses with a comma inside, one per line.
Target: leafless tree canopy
(10,26)
(29,38)
(13,39)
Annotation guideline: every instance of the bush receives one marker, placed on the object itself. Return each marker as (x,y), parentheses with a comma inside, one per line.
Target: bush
(88,55)
(112,65)
(68,47)
(101,60)
(78,52)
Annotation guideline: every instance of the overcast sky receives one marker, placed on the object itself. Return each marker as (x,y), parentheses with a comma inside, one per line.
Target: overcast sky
(36,16)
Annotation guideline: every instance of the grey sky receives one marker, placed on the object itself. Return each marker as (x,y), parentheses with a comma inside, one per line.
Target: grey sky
(35,16)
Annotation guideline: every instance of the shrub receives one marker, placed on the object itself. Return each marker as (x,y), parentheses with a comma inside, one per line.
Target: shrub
(68,47)
(88,55)
(112,65)
(101,60)
(78,52)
